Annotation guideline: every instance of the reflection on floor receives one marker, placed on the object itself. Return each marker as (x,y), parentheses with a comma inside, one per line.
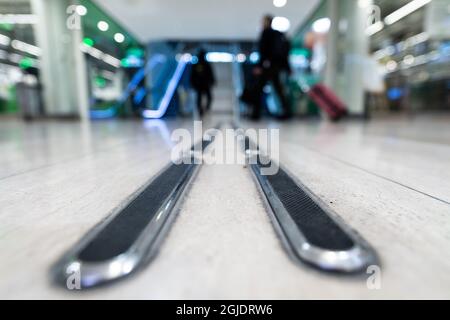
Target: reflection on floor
(389,179)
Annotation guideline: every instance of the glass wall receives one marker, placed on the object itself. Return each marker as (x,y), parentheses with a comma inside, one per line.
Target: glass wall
(20,93)
(379,56)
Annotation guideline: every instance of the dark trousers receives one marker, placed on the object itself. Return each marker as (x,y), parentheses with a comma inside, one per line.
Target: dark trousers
(272,75)
(203,92)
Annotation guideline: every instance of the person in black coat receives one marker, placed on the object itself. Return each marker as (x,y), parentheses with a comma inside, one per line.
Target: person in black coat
(202,80)
(274,58)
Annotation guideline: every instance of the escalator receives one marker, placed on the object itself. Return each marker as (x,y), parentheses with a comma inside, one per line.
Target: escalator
(154,90)
(165,95)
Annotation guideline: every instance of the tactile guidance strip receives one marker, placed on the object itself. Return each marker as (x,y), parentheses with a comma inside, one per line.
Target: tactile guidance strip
(130,237)
(313,233)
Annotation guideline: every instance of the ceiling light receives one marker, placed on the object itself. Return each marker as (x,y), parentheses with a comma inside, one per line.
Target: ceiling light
(281,24)
(381,54)
(111,60)
(81,10)
(194,60)
(3,54)
(321,25)
(119,37)
(103,26)
(241,58)
(417,39)
(375,28)
(18,19)
(96,53)
(405,10)
(15,58)
(223,57)
(391,66)
(100,55)
(279,3)
(409,59)
(25,47)
(254,57)
(4,40)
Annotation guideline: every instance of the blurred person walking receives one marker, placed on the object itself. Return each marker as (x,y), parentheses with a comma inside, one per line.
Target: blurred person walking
(202,80)
(274,50)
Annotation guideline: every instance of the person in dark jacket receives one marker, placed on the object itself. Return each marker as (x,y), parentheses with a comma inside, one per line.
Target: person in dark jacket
(202,80)
(274,59)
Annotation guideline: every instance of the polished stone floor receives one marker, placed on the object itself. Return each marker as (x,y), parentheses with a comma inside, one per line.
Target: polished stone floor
(388,179)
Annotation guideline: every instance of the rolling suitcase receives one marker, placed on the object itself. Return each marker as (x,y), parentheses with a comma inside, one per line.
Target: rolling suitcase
(328,101)
(250,96)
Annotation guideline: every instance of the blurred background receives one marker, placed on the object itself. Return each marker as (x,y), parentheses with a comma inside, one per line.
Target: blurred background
(91,90)
(115,59)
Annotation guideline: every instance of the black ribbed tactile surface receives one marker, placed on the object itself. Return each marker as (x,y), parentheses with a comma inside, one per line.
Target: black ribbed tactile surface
(315,224)
(120,234)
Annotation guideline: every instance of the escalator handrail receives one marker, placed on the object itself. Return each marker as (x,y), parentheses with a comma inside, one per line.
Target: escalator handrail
(112,111)
(164,103)
(154,61)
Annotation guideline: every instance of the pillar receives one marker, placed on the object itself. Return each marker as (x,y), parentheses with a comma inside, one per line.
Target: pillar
(348,46)
(63,66)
